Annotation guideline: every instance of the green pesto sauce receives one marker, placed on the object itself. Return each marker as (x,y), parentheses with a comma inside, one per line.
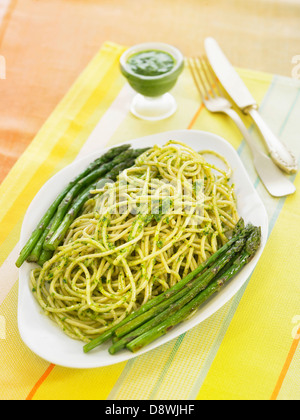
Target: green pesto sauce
(151,63)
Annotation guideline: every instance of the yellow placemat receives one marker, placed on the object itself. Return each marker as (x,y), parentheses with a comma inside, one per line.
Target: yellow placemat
(249,348)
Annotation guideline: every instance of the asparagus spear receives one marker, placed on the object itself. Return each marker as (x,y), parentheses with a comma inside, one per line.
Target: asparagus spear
(244,258)
(115,172)
(107,157)
(40,229)
(88,180)
(238,233)
(59,234)
(42,255)
(166,309)
(38,249)
(45,220)
(53,242)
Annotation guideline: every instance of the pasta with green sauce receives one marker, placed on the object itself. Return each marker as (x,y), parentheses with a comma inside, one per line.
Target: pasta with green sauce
(136,238)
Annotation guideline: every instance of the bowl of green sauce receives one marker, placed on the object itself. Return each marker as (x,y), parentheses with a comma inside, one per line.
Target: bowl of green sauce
(152,70)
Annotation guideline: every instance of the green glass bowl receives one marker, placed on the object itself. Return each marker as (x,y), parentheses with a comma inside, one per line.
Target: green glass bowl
(152,86)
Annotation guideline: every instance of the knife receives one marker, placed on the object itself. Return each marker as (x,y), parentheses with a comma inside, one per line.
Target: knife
(241,96)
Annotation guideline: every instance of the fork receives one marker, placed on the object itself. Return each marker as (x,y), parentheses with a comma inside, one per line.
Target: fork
(215,101)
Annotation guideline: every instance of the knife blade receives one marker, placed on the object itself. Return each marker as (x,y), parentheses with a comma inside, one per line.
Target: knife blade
(227,75)
(241,96)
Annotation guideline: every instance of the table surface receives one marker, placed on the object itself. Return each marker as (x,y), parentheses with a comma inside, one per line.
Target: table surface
(37,41)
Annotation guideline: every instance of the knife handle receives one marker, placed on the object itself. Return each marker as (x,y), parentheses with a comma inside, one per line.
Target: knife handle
(283,158)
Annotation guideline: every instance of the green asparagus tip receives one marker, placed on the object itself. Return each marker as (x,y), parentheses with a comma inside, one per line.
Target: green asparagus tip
(238,246)
(139,152)
(254,241)
(239,227)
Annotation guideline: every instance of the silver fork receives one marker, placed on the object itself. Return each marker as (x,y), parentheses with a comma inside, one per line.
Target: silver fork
(214,100)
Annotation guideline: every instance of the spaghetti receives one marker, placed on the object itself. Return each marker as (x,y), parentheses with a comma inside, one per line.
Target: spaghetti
(136,238)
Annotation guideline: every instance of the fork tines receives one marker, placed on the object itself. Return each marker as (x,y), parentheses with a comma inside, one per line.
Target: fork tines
(204,77)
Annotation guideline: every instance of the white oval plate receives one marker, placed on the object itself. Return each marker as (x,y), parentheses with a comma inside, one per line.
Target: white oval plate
(46,339)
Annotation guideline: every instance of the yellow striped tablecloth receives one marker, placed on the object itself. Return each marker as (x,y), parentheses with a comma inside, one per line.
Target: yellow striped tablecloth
(249,348)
